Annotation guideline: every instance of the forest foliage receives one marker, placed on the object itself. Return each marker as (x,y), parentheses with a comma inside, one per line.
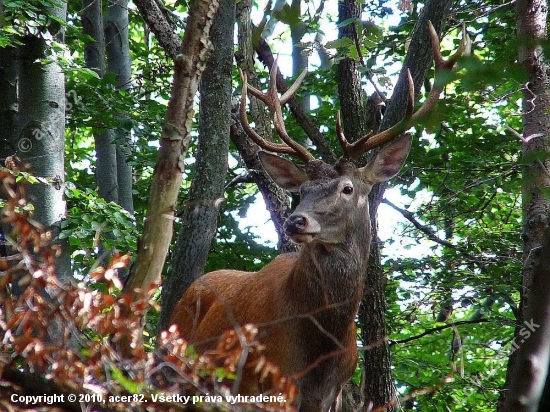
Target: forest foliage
(453,261)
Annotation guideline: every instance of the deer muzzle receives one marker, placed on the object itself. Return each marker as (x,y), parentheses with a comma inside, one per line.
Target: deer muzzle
(301,228)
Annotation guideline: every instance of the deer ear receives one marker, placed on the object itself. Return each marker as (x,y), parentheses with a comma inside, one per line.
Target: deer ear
(389,161)
(283,172)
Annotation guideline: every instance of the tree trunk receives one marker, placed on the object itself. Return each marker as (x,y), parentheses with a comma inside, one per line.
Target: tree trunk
(379,386)
(119,62)
(531,30)
(41,91)
(174,143)
(94,55)
(8,102)
(531,367)
(350,92)
(8,120)
(199,219)
(299,60)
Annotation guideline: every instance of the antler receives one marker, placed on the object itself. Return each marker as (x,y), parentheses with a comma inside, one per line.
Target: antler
(273,103)
(371,140)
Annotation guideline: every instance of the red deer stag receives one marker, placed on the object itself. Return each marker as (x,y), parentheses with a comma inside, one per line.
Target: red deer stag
(304,304)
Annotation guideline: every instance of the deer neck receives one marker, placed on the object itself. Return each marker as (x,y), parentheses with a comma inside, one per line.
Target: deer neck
(329,279)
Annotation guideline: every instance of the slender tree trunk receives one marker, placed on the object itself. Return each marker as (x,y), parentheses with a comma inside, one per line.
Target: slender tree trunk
(299,60)
(350,92)
(531,30)
(245,61)
(8,102)
(530,370)
(94,55)
(378,388)
(8,120)
(174,143)
(199,219)
(119,62)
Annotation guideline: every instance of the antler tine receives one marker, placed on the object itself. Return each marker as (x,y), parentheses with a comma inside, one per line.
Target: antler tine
(340,133)
(464,49)
(273,103)
(439,61)
(295,86)
(370,141)
(259,140)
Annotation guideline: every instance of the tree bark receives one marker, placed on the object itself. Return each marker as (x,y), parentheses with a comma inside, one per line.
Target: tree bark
(8,102)
(299,60)
(41,92)
(94,56)
(199,219)
(531,30)
(8,120)
(120,63)
(531,367)
(378,388)
(164,31)
(350,92)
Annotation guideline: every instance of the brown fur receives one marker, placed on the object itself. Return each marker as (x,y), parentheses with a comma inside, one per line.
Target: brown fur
(211,306)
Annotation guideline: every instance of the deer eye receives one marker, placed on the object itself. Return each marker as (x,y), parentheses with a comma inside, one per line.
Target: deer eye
(347,190)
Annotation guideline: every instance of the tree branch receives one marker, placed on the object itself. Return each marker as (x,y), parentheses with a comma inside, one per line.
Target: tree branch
(437,329)
(163,29)
(423,228)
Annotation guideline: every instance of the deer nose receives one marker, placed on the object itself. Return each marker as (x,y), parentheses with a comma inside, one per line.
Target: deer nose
(296,223)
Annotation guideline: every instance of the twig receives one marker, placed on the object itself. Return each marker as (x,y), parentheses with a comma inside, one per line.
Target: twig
(526,140)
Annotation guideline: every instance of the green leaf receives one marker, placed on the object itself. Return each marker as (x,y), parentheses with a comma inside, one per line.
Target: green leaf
(340,43)
(347,22)
(129,385)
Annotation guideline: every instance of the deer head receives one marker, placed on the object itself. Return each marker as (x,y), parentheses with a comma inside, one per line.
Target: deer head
(341,188)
